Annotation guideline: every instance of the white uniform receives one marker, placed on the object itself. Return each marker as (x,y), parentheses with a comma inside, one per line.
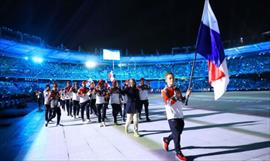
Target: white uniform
(100,99)
(75,97)
(84,97)
(68,93)
(174,110)
(54,101)
(100,96)
(143,91)
(174,107)
(115,98)
(46,97)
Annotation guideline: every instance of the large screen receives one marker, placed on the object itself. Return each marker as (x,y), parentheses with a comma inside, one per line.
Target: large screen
(111,54)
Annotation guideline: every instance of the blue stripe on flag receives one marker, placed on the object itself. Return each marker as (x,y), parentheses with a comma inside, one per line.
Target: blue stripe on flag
(209,45)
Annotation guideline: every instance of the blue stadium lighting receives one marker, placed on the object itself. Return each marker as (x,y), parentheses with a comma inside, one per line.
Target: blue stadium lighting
(37,59)
(25,58)
(90,64)
(122,65)
(17,49)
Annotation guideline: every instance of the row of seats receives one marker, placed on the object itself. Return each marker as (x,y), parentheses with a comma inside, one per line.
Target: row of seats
(20,68)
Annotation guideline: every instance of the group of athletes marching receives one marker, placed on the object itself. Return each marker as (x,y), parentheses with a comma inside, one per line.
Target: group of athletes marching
(77,101)
(131,98)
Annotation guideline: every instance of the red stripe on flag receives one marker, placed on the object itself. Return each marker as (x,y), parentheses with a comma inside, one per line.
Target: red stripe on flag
(214,72)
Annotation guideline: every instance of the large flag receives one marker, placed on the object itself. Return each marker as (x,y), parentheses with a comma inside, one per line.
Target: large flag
(209,45)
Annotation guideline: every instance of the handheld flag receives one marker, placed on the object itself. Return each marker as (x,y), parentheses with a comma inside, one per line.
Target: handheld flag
(209,45)
(111,76)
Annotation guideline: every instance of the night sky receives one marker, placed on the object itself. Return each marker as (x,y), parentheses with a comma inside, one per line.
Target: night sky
(131,24)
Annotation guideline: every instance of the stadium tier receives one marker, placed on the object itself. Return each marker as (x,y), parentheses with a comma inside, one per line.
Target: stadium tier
(248,71)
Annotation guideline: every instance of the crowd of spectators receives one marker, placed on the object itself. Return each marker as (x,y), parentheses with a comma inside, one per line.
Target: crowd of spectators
(19,76)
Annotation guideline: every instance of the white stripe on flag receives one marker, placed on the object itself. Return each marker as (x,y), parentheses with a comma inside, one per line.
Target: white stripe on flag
(220,85)
(209,18)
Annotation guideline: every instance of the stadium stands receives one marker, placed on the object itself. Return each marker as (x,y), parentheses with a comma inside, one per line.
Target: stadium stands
(246,72)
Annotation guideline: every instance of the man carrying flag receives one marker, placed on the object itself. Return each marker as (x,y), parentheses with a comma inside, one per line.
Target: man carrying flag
(209,45)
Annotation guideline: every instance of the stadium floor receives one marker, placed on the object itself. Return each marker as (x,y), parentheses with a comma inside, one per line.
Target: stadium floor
(237,127)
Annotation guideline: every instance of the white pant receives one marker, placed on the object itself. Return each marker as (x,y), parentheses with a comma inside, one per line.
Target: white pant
(133,117)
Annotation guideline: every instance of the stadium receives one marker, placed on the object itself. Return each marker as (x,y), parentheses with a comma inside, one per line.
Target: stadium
(233,126)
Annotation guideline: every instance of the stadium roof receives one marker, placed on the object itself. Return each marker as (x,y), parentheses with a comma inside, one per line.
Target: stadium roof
(131,24)
(15,49)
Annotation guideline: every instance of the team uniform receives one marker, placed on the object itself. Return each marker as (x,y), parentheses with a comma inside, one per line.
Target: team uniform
(174,102)
(46,94)
(68,96)
(62,99)
(93,107)
(115,102)
(107,98)
(83,93)
(144,89)
(75,101)
(55,106)
(101,104)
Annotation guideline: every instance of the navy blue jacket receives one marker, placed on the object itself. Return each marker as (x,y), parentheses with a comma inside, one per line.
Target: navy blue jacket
(133,101)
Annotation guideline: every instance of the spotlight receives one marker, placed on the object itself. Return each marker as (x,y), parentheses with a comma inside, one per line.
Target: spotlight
(25,58)
(90,64)
(37,59)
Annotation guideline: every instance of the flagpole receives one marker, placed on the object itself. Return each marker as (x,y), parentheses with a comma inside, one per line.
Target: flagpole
(193,66)
(192,69)
(191,76)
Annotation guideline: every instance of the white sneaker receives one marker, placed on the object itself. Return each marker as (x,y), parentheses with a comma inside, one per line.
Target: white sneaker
(103,124)
(136,134)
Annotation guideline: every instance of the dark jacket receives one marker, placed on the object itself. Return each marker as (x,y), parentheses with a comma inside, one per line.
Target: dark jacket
(133,101)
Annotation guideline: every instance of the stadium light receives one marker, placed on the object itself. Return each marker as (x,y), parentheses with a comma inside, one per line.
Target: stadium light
(37,59)
(90,64)
(25,58)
